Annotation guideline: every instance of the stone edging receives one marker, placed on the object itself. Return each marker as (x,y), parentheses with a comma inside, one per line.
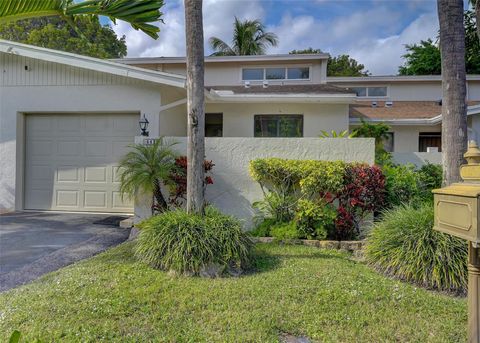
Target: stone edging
(343,245)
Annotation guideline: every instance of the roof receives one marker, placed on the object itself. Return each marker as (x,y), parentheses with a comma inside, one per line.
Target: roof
(282,93)
(401,112)
(217,59)
(392,78)
(91,63)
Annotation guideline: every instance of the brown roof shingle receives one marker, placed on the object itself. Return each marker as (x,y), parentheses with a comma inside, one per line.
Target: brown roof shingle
(399,110)
(285,89)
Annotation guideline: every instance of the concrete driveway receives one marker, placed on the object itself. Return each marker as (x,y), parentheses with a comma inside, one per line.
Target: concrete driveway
(33,243)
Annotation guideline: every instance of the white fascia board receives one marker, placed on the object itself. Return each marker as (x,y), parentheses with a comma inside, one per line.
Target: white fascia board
(214,59)
(392,78)
(475,109)
(91,63)
(427,121)
(213,96)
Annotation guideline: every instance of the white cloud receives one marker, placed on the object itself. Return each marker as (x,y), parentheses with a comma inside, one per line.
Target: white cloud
(375,36)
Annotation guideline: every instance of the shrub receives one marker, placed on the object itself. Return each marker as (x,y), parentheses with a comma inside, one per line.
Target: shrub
(178,180)
(430,177)
(314,220)
(285,231)
(404,245)
(263,228)
(290,185)
(186,243)
(401,184)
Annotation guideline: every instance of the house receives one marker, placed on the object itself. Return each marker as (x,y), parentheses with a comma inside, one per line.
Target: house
(65,119)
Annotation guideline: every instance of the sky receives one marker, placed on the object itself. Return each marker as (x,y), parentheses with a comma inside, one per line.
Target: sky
(374,32)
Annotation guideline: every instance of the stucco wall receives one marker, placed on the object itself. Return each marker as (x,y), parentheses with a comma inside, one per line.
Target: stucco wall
(417,158)
(238,118)
(234,190)
(64,90)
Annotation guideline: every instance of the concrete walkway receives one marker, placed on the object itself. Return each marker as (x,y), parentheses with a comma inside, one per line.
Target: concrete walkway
(35,243)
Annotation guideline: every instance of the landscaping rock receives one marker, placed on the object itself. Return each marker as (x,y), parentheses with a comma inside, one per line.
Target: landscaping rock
(329,244)
(133,233)
(213,270)
(234,270)
(351,245)
(288,338)
(126,223)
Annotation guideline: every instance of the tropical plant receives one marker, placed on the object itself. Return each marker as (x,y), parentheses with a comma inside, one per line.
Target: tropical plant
(195,106)
(314,220)
(249,38)
(145,169)
(177,184)
(379,131)
(97,40)
(454,88)
(189,242)
(140,13)
(335,134)
(286,230)
(404,245)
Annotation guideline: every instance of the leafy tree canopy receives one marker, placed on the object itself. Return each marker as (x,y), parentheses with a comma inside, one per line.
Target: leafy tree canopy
(424,58)
(341,65)
(55,33)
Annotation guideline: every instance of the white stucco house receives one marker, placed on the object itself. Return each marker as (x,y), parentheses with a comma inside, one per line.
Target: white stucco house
(65,119)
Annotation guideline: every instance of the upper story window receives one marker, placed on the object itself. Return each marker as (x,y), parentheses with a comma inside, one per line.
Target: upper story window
(277,73)
(370,91)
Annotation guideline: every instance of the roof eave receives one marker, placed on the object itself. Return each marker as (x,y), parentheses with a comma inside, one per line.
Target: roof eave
(91,63)
(213,96)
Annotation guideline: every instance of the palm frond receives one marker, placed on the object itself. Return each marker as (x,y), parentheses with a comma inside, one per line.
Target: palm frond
(220,47)
(141,14)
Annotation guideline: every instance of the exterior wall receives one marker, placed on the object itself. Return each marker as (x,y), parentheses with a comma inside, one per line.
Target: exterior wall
(228,73)
(417,158)
(233,190)
(238,118)
(414,91)
(54,88)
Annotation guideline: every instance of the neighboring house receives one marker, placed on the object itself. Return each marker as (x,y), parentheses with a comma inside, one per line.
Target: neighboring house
(65,119)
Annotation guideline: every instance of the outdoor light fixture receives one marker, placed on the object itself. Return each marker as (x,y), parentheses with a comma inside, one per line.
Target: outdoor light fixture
(144,125)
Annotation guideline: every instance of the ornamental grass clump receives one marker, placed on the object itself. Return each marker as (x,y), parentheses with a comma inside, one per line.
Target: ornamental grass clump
(187,243)
(404,245)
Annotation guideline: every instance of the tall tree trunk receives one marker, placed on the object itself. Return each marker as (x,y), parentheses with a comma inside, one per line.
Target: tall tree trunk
(195,106)
(477,15)
(454,106)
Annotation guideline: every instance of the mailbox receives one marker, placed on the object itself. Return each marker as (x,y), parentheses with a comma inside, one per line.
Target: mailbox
(457,207)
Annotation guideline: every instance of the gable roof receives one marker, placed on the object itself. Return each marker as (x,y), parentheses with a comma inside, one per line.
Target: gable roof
(96,64)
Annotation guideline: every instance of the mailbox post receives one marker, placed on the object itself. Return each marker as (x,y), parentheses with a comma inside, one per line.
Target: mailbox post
(457,212)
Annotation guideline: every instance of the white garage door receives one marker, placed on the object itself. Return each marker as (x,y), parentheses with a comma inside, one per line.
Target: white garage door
(71,161)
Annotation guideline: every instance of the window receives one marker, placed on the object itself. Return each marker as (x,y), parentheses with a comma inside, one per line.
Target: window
(278,125)
(213,124)
(388,142)
(361,91)
(275,73)
(370,91)
(298,73)
(429,140)
(377,91)
(252,74)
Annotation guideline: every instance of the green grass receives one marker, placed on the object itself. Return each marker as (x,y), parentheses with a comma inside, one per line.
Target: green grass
(300,290)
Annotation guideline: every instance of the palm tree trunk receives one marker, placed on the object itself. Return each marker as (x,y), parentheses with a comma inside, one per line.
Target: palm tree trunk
(454,107)
(157,193)
(195,106)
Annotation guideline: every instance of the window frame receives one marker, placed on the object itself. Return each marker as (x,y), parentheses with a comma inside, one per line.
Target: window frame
(367,96)
(286,67)
(299,116)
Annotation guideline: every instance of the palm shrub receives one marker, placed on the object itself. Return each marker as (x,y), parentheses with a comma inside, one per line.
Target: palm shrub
(186,243)
(145,169)
(404,245)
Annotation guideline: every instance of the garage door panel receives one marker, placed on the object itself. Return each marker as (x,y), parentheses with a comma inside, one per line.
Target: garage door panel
(77,172)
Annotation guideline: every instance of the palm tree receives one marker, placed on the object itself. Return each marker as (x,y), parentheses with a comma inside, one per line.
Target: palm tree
(145,168)
(454,106)
(139,13)
(249,38)
(195,106)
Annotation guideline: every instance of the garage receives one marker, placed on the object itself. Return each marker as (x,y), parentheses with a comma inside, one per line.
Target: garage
(71,161)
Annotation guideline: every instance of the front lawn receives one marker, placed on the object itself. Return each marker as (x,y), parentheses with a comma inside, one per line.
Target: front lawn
(297,289)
